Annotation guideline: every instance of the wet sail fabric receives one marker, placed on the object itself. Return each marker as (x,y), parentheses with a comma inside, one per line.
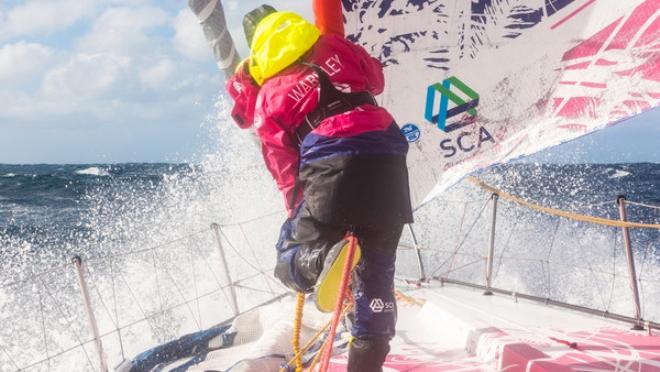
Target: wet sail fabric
(473,83)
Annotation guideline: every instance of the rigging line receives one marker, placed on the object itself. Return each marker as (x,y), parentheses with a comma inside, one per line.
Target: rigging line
(35,276)
(194,272)
(643,205)
(467,234)
(116,308)
(137,303)
(231,245)
(547,258)
(98,293)
(43,327)
(457,201)
(270,214)
(148,249)
(614,235)
(123,240)
(69,325)
(562,213)
(253,289)
(178,289)
(463,266)
(208,266)
(4,349)
(458,239)
(255,275)
(148,317)
(563,264)
(593,274)
(56,355)
(158,292)
(451,252)
(639,277)
(506,246)
(247,241)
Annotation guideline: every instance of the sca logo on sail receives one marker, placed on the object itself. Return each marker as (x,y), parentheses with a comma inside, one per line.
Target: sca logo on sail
(465,141)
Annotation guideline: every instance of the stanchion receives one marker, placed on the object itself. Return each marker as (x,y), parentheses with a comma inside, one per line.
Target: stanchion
(630,258)
(223,261)
(91,319)
(420,263)
(491,249)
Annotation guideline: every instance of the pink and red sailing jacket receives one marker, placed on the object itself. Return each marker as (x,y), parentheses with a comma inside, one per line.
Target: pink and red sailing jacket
(339,161)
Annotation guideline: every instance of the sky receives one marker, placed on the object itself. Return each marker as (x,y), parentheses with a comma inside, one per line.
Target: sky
(632,141)
(107,81)
(98,81)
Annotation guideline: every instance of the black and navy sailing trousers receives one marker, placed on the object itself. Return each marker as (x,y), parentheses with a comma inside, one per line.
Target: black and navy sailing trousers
(302,247)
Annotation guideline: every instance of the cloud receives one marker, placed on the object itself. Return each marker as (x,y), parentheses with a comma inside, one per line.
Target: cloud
(188,38)
(124,30)
(117,64)
(158,75)
(39,17)
(87,75)
(21,61)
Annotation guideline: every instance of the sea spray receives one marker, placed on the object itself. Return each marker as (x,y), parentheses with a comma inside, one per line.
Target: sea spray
(152,261)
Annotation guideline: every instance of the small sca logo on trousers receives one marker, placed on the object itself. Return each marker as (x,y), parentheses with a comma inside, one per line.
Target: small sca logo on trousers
(377,305)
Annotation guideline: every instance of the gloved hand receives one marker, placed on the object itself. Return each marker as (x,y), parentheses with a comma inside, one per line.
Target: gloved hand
(243,90)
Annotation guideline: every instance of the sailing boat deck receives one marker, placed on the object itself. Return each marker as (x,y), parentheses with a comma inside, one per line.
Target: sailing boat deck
(453,328)
(460,329)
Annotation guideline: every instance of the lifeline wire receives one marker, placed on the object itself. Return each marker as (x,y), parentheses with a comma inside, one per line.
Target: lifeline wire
(562,213)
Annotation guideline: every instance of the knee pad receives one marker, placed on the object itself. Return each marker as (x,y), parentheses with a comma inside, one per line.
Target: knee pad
(285,271)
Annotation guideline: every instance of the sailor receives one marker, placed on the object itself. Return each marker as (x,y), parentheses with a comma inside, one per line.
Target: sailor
(338,158)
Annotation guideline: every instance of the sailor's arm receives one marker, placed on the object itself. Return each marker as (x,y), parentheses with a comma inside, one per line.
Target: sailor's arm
(243,90)
(281,157)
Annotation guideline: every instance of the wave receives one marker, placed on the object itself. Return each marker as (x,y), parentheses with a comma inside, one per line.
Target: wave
(619,174)
(93,171)
(8,175)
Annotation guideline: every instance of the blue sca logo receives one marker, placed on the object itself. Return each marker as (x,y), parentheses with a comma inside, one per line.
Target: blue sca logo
(411,132)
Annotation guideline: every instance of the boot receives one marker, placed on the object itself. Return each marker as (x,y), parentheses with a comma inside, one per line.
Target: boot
(367,355)
(286,271)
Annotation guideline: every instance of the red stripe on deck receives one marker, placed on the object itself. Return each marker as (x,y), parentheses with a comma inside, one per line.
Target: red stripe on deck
(593,85)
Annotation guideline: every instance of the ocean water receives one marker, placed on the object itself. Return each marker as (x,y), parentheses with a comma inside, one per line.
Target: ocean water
(144,231)
(63,208)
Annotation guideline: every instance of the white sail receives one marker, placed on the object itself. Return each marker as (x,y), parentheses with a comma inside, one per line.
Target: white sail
(473,83)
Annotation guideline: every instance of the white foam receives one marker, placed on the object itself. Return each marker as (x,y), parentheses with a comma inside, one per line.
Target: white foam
(8,175)
(93,171)
(619,174)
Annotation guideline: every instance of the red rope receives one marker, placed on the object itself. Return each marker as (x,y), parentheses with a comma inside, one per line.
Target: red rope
(343,285)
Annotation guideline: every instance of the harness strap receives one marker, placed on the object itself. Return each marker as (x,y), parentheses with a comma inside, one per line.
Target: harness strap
(332,102)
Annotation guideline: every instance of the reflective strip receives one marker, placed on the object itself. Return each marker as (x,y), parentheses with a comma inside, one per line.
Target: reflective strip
(227,62)
(206,12)
(215,41)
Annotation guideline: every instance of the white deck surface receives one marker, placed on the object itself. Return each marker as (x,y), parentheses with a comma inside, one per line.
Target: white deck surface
(454,328)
